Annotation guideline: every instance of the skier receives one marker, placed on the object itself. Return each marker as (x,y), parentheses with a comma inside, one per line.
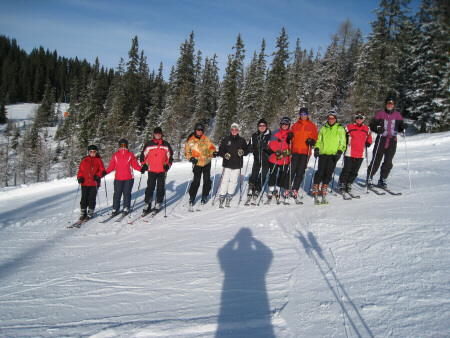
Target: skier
(330,145)
(279,160)
(90,172)
(259,145)
(231,149)
(156,158)
(358,140)
(305,137)
(199,150)
(387,124)
(123,162)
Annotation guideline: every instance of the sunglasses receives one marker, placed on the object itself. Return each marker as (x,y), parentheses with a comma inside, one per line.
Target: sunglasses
(123,145)
(390,102)
(359,118)
(331,118)
(303,114)
(199,130)
(261,125)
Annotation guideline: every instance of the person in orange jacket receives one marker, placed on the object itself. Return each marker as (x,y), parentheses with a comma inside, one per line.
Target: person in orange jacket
(305,137)
(90,171)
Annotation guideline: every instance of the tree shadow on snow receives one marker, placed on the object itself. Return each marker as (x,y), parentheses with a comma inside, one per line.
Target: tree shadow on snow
(244,309)
(314,251)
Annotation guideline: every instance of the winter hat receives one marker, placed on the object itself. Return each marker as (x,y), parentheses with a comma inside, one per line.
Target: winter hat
(262,121)
(157,130)
(235,126)
(123,141)
(285,120)
(199,126)
(359,114)
(92,147)
(304,110)
(389,98)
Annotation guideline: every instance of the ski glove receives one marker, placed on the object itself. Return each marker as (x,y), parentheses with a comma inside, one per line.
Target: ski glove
(278,154)
(227,156)
(337,156)
(402,127)
(215,154)
(289,137)
(193,160)
(80,180)
(380,130)
(96,178)
(264,145)
(310,142)
(144,168)
(368,144)
(240,152)
(104,173)
(166,167)
(316,152)
(286,152)
(250,148)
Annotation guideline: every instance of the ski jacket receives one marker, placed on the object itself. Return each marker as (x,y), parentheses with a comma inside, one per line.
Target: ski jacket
(331,139)
(357,136)
(278,142)
(255,142)
(123,162)
(303,130)
(89,167)
(156,153)
(231,144)
(391,121)
(202,149)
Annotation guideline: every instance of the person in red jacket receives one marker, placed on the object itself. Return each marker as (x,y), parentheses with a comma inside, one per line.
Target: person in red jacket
(89,174)
(156,158)
(279,160)
(358,140)
(123,162)
(305,137)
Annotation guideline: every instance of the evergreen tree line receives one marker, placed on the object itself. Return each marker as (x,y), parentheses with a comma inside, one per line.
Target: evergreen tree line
(406,56)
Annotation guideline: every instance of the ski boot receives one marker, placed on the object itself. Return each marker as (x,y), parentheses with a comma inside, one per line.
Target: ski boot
(370,182)
(191,204)
(82,215)
(90,214)
(228,201)
(114,213)
(323,191)
(203,200)
(342,187)
(147,208)
(255,198)
(156,209)
(287,197)
(348,188)
(270,194)
(221,201)
(315,193)
(382,183)
(125,211)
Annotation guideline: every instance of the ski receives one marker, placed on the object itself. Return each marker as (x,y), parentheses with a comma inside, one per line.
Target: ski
(269,199)
(139,217)
(108,218)
(247,202)
(191,208)
(121,217)
(324,200)
(297,201)
(332,192)
(152,214)
(389,191)
(372,189)
(317,200)
(346,196)
(77,224)
(353,195)
(254,199)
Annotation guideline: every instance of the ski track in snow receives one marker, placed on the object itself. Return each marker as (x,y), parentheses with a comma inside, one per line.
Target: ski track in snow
(373,267)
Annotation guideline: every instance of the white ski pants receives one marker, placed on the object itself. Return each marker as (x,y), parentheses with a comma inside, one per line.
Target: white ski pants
(229,181)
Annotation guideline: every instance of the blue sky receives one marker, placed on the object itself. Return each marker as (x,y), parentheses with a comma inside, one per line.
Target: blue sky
(91,28)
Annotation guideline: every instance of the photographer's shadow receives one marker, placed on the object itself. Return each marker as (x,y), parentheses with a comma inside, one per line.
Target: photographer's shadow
(244,310)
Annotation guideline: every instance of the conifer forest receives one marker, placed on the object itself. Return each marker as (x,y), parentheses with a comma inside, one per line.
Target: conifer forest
(405,55)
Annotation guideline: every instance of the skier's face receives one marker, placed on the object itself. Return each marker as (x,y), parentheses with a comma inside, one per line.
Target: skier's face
(157,136)
(390,105)
(234,131)
(285,126)
(199,132)
(262,127)
(92,153)
(331,120)
(303,116)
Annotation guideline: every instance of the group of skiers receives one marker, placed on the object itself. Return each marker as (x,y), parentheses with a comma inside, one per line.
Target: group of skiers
(280,160)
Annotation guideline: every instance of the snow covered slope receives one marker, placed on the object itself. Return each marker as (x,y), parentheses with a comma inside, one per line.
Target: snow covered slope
(373,267)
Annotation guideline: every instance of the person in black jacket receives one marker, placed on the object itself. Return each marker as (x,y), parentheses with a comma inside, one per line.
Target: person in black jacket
(259,146)
(231,149)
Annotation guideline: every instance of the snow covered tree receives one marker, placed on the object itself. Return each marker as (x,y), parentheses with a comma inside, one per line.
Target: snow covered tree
(45,116)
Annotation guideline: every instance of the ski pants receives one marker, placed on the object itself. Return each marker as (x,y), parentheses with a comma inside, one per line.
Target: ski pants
(158,180)
(88,197)
(378,152)
(122,188)
(198,171)
(256,181)
(299,163)
(350,170)
(229,181)
(279,176)
(325,169)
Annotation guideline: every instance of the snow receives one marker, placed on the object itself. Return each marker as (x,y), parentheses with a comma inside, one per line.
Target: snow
(373,267)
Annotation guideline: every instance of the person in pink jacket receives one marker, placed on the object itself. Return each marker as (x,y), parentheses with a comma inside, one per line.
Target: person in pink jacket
(123,162)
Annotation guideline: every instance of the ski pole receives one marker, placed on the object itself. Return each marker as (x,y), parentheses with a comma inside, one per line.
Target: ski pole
(165,196)
(98,197)
(304,173)
(218,186)
(266,182)
(240,181)
(187,186)
(106,193)
(214,178)
(372,163)
(137,193)
(407,160)
(312,177)
(73,208)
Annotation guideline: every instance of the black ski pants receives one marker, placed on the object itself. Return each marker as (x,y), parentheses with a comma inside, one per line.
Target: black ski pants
(122,188)
(158,180)
(325,169)
(298,167)
(379,151)
(279,176)
(88,197)
(350,170)
(256,180)
(198,171)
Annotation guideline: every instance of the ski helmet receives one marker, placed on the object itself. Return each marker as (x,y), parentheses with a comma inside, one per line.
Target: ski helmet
(389,98)
(332,113)
(157,130)
(123,141)
(359,115)
(285,120)
(199,126)
(93,147)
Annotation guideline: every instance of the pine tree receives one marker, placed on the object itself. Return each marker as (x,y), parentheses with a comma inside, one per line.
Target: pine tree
(45,116)
(3,113)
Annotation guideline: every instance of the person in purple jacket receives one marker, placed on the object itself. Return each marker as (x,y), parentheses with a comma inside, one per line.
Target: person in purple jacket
(387,124)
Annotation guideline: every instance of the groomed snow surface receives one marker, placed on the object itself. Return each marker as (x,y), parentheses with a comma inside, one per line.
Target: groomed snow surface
(373,267)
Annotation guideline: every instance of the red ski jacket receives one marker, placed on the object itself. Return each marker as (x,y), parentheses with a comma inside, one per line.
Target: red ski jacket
(123,162)
(357,135)
(278,142)
(156,154)
(89,167)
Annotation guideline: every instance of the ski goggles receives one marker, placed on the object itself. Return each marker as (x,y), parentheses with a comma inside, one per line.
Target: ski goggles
(92,151)
(123,145)
(390,102)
